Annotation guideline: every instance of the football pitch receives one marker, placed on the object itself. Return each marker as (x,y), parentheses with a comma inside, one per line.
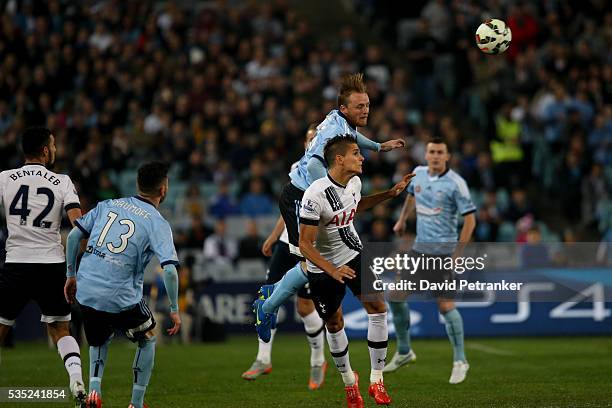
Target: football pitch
(517,372)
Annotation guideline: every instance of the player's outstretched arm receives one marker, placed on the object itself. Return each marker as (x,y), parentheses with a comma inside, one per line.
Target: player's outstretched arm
(72,252)
(367,144)
(392,145)
(308,235)
(266,248)
(171,282)
(370,201)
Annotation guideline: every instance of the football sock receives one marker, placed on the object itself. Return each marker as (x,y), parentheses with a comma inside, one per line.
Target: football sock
(264,352)
(315,331)
(338,346)
(378,335)
(97,361)
(143,366)
(69,351)
(401,321)
(454,330)
(289,285)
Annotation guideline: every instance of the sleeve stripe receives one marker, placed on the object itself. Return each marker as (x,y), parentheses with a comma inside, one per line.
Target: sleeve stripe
(83,230)
(316,156)
(175,263)
(469,212)
(308,221)
(71,206)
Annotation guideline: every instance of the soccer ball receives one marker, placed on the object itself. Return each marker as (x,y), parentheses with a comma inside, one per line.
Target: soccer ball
(493,36)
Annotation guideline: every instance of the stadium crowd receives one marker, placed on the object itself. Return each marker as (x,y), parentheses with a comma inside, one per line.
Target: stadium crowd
(225,93)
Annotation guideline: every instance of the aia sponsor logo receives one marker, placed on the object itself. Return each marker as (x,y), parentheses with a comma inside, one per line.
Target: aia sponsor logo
(342,219)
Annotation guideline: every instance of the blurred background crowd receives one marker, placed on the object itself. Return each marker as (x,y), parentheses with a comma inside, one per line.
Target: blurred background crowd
(225,90)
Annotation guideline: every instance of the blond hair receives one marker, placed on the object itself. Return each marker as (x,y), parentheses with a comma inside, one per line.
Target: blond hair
(351,83)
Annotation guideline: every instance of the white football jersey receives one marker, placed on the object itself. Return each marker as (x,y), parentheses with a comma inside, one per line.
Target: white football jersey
(332,207)
(33,199)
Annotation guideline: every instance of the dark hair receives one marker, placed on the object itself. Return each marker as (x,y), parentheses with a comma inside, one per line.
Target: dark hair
(337,145)
(352,83)
(151,176)
(439,140)
(33,140)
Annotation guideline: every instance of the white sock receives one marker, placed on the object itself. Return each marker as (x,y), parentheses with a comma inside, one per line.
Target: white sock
(264,352)
(315,330)
(375,376)
(69,351)
(338,346)
(378,335)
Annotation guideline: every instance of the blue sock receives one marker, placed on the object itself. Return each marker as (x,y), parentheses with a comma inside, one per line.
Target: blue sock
(454,330)
(143,366)
(97,361)
(401,321)
(289,285)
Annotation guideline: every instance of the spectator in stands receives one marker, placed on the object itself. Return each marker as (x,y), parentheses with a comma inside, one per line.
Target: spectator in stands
(488,217)
(506,149)
(534,253)
(519,205)
(194,235)
(595,189)
(218,247)
(256,203)
(249,246)
(192,203)
(524,28)
(422,49)
(222,204)
(106,189)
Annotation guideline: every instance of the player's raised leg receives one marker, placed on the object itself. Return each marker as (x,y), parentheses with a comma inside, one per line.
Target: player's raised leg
(289,285)
(454,331)
(281,260)
(265,309)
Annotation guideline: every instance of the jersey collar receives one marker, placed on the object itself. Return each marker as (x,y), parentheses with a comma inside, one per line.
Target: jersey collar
(334,181)
(143,199)
(347,121)
(34,164)
(438,176)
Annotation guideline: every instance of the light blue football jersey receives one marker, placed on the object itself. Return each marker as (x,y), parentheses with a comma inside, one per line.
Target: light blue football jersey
(123,235)
(439,199)
(333,125)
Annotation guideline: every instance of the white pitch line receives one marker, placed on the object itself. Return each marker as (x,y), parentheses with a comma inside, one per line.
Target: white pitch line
(488,349)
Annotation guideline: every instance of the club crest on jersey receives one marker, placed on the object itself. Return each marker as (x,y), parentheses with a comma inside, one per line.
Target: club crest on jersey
(342,219)
(417,188)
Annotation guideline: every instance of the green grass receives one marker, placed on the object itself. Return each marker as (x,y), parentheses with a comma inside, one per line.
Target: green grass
(541,372)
